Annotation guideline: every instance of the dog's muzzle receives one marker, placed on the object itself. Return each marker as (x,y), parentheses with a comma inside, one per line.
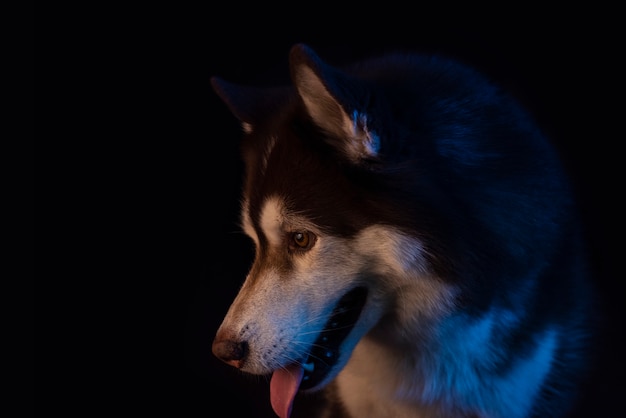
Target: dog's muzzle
(325,350)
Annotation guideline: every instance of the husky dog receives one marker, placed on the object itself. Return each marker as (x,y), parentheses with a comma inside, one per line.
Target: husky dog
(418,249)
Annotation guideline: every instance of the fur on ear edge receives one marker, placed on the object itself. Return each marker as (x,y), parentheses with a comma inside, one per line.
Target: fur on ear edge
(316,83)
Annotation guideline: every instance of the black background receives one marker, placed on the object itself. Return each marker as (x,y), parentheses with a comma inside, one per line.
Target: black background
(144,185)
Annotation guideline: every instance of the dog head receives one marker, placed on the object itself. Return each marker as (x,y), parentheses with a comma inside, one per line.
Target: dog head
(320,204)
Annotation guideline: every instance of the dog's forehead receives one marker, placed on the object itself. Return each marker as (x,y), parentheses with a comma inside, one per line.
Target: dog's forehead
(294,165)
(294,162)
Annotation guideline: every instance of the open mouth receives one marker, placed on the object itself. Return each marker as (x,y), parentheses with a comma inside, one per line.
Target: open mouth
(287,381)
(325,351)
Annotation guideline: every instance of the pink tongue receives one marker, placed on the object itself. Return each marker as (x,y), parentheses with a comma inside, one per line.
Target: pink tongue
(283,388)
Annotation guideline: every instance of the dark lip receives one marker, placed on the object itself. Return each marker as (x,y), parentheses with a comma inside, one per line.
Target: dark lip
(325,350)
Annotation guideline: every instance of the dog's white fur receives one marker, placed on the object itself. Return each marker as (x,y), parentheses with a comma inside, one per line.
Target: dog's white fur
(400,380)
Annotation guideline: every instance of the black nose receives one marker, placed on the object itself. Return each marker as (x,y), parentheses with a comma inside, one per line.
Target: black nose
(230,351)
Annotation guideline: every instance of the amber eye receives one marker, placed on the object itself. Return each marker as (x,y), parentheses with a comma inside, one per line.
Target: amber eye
(301,240)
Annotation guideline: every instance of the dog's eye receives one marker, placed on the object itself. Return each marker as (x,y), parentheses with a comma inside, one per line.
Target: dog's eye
(301,240)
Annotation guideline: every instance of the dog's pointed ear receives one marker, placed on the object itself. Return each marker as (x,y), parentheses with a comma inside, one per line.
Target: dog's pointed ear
(251,105)
(335,103)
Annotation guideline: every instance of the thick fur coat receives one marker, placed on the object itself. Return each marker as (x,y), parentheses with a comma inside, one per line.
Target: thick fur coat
(418,248)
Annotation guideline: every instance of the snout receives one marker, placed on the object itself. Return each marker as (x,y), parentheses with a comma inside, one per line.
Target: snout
(317,348)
